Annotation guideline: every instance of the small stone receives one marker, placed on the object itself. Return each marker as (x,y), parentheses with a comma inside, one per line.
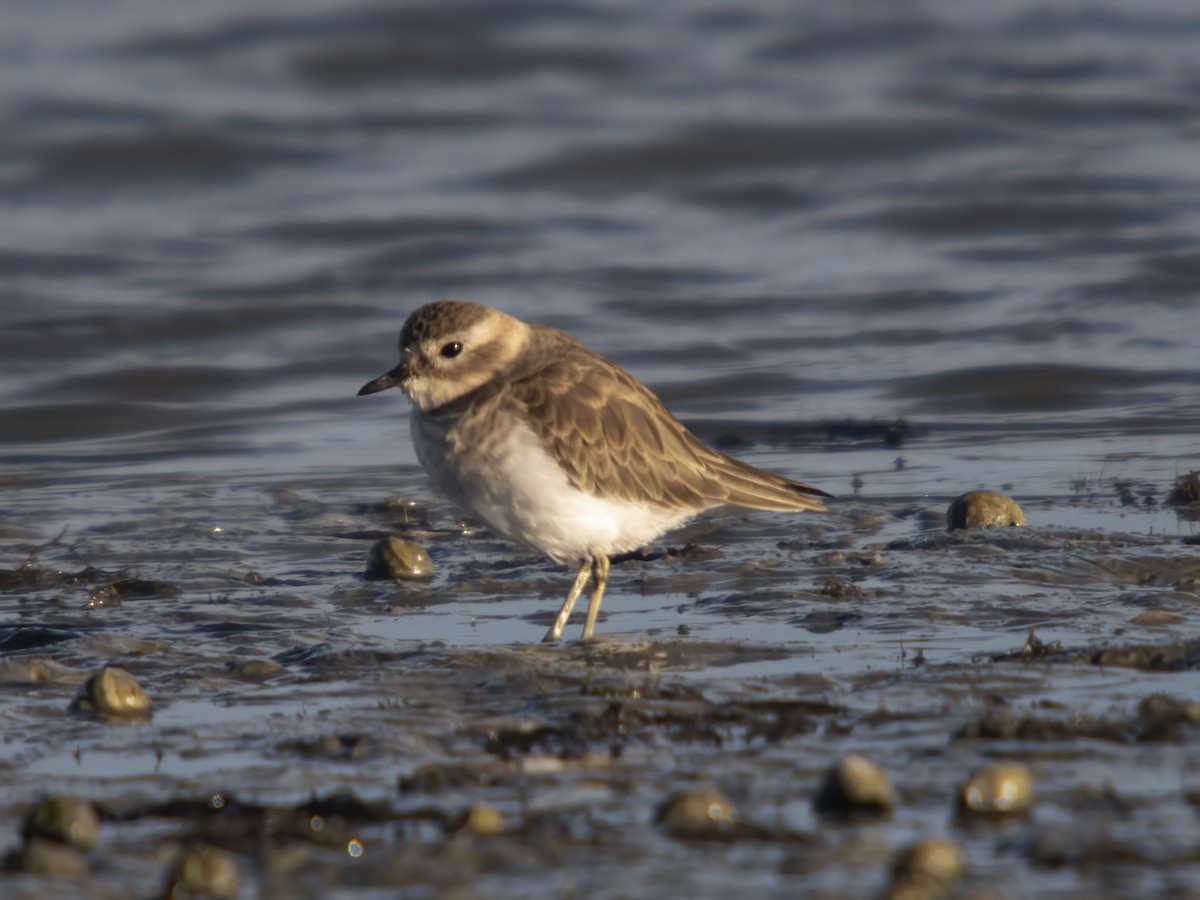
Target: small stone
(204,872)
(480,820)
(34,670)
(1056,846)
(254,670)
(436,777)
(399,560)
(1157,618)
(929,868)
(697,814)
(68,820)
(997,789)
(832,558)
(40,856)
(983,509)
(112,692)
(855,786)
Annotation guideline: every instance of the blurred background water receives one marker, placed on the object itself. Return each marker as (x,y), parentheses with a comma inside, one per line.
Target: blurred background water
(981,218)
(899,249)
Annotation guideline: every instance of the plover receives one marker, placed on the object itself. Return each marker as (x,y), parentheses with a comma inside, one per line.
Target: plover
(554,446)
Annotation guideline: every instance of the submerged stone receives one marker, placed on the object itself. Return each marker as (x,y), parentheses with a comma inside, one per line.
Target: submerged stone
(1158,618)
(43,857)
(697,814)
(983,509)
(34,670)
(399,560)
(254,670)
(114,592)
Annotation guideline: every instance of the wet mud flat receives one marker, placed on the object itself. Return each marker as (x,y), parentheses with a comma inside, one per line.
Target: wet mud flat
(311,731)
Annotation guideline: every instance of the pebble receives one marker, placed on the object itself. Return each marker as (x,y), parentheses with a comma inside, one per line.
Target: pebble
(112,692)
(855,786)
(1158,618)
(697,814)
(399,560)
(927,870)
(34,670)
(480,819)
(204,872)
(254,670)
(997,789)
(67,820)
(47,858)
(983,509)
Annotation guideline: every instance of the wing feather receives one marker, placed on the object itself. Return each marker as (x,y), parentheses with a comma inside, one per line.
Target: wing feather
(613,437)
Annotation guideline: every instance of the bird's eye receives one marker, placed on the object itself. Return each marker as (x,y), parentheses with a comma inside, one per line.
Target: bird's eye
(452,349)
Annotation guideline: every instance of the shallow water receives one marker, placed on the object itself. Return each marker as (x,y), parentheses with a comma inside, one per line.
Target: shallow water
(900,251)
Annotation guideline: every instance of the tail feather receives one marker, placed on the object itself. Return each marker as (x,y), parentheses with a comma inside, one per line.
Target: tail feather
(755,489)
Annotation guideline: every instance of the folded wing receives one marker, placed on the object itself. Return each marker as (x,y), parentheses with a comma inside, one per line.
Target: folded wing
(612,436)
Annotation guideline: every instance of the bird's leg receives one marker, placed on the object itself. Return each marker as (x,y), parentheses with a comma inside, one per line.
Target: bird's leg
(560,621)
(600,564)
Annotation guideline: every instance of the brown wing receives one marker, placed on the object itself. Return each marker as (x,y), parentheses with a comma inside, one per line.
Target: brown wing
(611,435)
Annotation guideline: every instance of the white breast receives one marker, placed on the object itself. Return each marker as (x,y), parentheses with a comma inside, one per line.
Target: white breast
(503,476)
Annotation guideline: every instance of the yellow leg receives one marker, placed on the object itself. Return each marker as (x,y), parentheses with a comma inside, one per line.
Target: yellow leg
(600,564)
(560,621)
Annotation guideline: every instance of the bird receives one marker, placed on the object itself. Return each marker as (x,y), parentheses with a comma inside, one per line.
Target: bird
(556,447)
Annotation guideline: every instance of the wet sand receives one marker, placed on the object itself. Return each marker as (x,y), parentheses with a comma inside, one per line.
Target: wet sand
(328,730)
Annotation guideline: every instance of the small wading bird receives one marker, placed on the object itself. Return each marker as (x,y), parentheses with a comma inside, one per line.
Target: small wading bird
(556,447)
